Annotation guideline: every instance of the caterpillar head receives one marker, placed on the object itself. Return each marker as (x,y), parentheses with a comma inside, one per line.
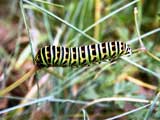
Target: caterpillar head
(128,50)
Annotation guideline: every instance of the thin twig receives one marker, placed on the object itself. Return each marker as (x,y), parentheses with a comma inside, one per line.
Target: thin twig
(137,27)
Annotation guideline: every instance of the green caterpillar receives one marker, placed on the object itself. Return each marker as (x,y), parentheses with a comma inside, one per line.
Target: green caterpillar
(60,56)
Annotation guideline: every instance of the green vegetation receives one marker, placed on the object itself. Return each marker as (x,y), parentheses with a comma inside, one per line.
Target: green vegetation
(128,89)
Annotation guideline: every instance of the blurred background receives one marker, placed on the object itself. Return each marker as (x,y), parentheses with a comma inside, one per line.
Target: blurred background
(71,90)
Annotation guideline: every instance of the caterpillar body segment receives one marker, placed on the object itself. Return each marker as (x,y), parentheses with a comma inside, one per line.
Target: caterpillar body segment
(60,56)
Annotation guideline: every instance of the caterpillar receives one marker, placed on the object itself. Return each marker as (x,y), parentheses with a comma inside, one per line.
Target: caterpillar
(60,56)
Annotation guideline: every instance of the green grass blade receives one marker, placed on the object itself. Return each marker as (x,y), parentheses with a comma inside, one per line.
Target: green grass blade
(63,21)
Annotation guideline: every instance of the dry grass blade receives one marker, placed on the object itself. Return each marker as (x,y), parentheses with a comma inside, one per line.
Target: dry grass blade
(18,82)
(115,99)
